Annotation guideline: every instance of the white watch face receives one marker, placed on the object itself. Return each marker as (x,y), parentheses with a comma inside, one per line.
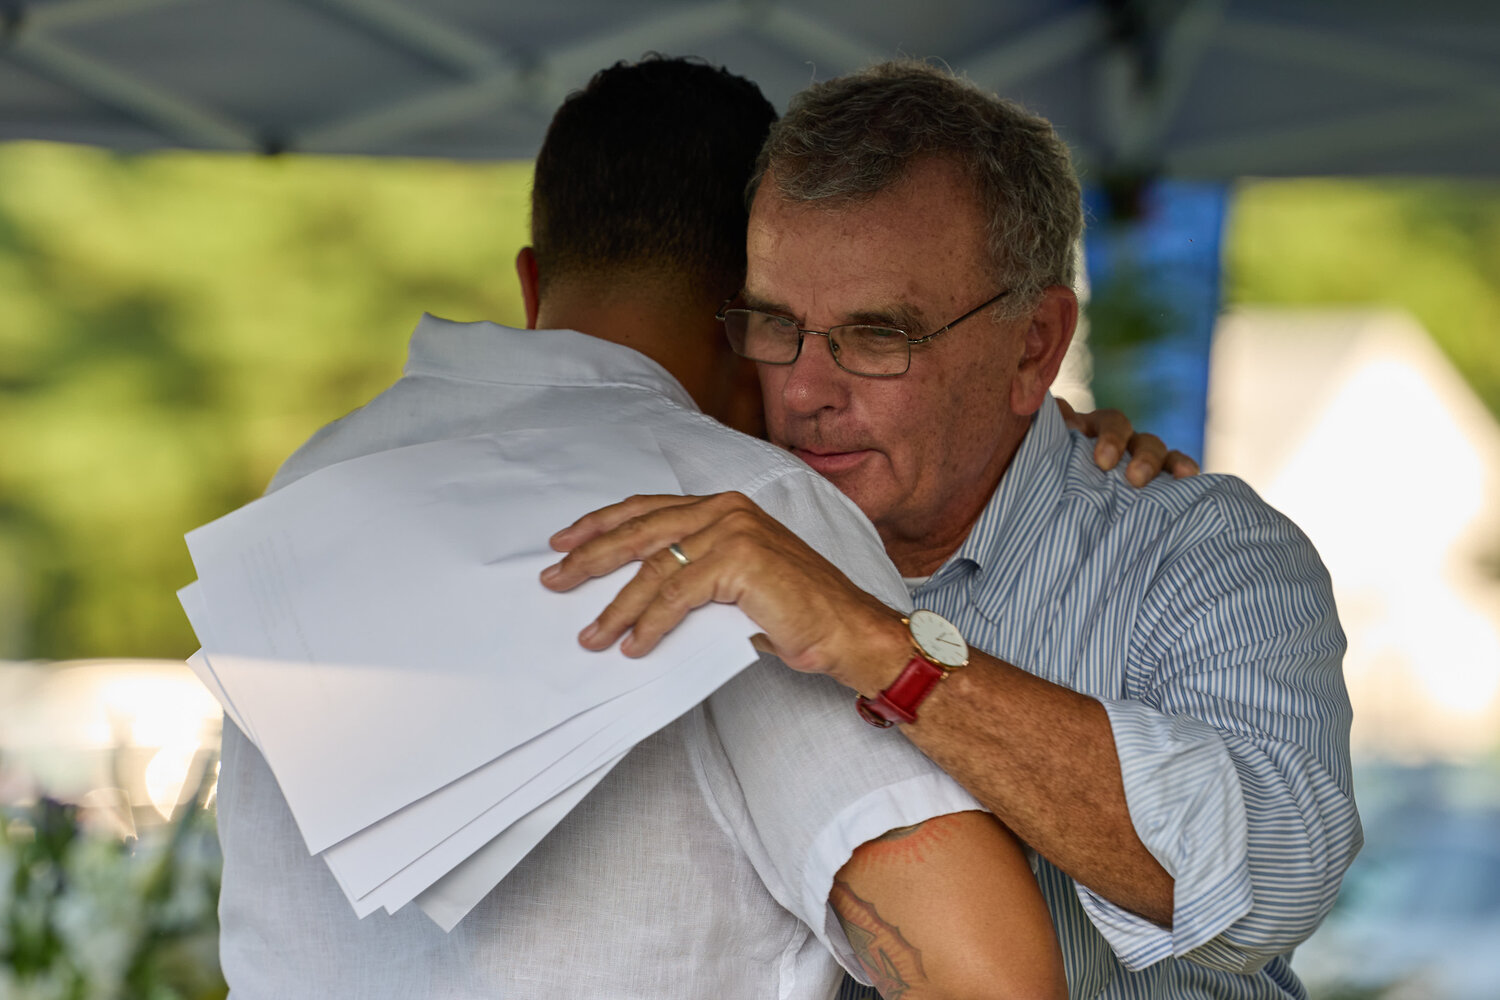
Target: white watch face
(938,639)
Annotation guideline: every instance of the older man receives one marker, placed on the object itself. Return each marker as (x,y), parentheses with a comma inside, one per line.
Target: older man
(1152,695)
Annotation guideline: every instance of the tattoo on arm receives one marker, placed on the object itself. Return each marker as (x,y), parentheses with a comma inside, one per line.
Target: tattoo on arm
(906,845)
(888,959)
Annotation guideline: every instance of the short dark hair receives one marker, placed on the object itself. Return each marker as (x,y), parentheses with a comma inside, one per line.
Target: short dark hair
(644,170)
(854,136)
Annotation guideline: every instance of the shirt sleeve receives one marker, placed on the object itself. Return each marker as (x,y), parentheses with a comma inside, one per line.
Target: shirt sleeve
(800,781)
(1235,749)
(797,777)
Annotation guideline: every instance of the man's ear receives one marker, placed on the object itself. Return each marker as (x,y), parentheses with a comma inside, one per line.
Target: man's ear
(527,273)
(1044,342)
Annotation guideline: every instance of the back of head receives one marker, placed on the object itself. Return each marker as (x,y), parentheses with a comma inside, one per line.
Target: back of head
(856,135)
(643,172)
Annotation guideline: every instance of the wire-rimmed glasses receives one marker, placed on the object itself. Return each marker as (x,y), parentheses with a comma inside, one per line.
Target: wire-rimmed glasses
(858,348)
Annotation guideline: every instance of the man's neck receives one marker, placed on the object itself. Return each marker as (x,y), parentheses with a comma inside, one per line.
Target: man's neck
(665,320)
(629,323)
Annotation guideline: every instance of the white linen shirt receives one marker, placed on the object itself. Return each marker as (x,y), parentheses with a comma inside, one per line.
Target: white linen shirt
(701,866)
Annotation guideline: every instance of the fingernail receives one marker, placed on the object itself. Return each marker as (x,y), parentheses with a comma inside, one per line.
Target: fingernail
(587,635)
(1109,454)
(550,573)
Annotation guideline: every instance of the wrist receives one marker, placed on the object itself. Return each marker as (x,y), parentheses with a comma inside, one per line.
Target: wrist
(934,648)
(878,656)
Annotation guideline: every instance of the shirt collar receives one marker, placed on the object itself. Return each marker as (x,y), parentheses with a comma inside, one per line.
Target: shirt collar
(489,352)
(998,544)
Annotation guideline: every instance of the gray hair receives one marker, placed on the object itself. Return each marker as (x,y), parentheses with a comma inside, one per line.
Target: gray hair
(854,136)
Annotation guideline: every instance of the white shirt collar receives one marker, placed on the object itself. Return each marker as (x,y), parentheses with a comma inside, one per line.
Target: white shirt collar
(489,352)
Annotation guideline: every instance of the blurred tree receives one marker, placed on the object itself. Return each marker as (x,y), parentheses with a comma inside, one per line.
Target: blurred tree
(1432,247)
(172,326)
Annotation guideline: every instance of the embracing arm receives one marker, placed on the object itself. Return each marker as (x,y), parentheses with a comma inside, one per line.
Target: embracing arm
(1235,752)
(1044,758)
(817,621)
(1219,789)
(1003,731)
(1213,798)
(948,909)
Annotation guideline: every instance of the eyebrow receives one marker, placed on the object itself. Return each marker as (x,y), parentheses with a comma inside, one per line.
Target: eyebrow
(900,317)
(748,300)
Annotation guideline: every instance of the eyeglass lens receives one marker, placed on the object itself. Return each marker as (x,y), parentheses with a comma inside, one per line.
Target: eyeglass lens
(862,350)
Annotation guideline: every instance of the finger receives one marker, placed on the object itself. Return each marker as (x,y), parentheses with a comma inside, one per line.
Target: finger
(629,540)
(1181,465)
(657,599)
(1069,415)
(714,577)
(623,613)
(1147,453)
(606,519)
(1112,429)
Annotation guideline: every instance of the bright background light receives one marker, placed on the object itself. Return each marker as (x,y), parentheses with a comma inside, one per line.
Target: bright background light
(1356,427)
(116,736)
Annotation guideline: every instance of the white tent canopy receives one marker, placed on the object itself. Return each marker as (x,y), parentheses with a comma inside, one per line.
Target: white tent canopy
(1188,88)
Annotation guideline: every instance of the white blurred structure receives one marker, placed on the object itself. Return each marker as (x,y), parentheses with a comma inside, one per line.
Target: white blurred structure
(1356,426)
(126,739)
(1075,378)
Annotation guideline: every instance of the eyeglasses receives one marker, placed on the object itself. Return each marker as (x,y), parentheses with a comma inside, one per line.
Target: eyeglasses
(878,351)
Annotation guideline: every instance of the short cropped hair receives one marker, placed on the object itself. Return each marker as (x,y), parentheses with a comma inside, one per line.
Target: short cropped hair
(644,171)
(854,136)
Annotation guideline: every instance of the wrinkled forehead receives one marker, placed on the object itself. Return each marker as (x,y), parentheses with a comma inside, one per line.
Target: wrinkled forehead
(918,245)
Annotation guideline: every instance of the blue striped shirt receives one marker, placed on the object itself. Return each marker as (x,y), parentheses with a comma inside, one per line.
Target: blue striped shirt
(1203,621)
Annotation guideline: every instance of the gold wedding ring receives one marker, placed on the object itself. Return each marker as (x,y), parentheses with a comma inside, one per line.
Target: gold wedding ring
(678,554)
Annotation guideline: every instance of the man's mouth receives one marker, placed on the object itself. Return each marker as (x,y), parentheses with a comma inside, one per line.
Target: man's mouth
(829,462)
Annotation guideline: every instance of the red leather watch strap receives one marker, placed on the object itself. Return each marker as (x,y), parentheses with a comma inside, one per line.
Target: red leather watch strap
(899,702)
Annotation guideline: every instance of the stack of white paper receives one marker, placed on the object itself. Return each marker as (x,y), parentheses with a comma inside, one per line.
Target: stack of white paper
(378,630)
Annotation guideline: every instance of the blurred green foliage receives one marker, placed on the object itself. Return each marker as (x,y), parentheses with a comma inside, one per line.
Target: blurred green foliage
(1431,247)
(86,916)
(172,326)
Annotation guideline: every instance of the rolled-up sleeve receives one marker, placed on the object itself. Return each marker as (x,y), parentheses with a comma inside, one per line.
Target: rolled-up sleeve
(800,781)
(1233,740)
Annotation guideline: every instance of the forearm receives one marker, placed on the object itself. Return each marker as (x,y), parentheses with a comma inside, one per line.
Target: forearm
(1040,756)
(1043,759)
(1258,832)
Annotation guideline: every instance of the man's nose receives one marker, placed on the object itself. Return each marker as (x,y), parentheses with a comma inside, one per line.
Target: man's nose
(815,381)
